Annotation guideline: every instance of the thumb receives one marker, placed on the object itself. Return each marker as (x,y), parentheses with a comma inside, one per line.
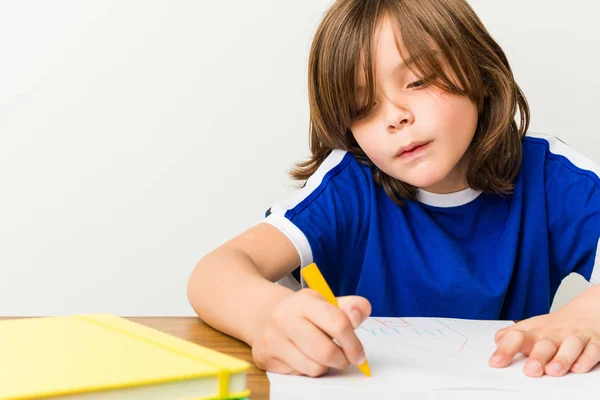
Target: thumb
(357,308)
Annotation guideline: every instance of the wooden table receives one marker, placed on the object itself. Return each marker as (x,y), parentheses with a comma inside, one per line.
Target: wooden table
(196,331)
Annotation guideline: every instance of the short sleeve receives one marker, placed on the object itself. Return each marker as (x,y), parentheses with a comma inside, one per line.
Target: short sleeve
(572,187)
(325,219)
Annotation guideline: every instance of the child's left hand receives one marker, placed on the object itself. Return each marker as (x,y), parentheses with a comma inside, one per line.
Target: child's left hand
(556,343)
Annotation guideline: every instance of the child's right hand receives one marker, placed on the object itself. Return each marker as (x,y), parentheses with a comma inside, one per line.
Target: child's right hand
(297,336)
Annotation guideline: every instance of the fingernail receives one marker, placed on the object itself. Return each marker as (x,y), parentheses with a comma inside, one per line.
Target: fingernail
(361,359)
(496,360)
(355,318)
(533,367)
(577,367)
(555,368)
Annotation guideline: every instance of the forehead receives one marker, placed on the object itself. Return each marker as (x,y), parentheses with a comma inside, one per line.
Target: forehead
(386,46)
(388,52)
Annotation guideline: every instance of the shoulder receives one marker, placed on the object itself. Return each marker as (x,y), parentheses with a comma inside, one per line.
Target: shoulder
(340,176)
(557,151)
(557,158)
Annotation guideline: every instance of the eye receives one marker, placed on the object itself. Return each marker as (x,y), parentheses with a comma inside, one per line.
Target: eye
(416,84)
(360,114)
(363,112)
(421,83)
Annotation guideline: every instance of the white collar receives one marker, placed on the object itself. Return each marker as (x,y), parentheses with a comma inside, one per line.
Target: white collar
(448,199)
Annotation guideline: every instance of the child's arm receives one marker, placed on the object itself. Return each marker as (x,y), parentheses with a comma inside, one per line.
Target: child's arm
(233,289)
(230,285)
(568,339)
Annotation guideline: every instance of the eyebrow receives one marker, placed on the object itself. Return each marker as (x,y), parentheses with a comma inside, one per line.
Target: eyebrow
(402,65)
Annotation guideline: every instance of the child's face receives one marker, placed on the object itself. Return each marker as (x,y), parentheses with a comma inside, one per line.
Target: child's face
(405,115)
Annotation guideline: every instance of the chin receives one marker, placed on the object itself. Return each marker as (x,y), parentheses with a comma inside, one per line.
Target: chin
(424,179)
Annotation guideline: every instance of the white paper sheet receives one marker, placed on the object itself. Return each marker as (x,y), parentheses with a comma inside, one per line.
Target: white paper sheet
(431,355)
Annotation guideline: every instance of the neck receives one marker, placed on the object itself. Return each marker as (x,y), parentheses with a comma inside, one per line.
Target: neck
(455,181)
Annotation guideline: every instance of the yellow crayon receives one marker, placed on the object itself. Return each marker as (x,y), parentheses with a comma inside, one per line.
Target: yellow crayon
(315,281)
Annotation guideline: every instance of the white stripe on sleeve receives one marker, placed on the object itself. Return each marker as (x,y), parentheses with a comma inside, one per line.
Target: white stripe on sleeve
(332,160)
(595,277)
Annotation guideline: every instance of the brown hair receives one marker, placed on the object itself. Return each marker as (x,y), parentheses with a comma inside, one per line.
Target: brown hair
(467,52)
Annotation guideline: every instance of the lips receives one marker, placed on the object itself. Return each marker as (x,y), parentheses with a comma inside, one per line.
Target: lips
(411,147)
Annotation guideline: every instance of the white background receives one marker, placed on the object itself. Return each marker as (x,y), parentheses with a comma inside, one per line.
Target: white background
(136,136)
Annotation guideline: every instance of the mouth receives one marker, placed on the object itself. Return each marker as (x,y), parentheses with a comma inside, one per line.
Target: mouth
(412,148)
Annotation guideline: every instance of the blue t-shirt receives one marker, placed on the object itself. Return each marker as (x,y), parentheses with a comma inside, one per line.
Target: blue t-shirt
(464,255)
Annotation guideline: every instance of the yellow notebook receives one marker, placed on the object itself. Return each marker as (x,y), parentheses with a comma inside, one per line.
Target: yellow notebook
(101,356)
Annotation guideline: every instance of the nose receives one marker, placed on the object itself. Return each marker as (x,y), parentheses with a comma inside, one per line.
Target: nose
(397,116)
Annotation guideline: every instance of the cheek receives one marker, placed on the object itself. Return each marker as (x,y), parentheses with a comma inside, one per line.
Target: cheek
(363,135)
(366,139)
(359,131)
(438,105)
(456,114)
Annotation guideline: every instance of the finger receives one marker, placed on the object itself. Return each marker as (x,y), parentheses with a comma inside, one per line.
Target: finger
(357,308)
(297,373)
(267,362)
(524,325)
(588,358)
(508,347)
(335,323)
(542,352)
(568,352)
(290,355)
(501,333)
(317,346)
(279,367)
